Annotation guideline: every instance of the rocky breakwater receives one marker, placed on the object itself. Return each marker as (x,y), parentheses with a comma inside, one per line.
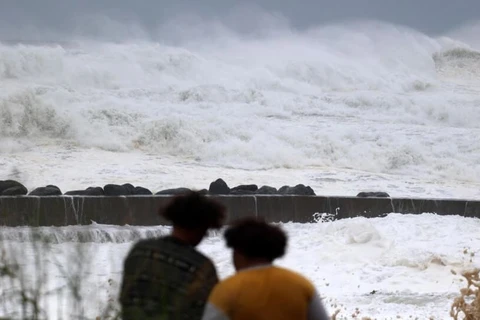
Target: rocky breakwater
(135,205)
(220,187)
(217,187)
(121,204)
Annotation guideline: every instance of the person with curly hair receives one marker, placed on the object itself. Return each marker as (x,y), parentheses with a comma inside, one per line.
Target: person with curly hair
(167,278)
(259,290)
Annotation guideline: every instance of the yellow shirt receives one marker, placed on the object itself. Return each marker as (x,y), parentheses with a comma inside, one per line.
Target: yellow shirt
(264,293)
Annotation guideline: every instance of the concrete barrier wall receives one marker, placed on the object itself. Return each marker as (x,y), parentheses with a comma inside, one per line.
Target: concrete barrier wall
(142,210)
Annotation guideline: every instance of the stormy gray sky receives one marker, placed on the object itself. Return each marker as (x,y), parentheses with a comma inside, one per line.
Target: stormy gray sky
(21,17)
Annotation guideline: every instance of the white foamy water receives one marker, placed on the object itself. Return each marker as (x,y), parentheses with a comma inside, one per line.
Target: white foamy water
(386,267)
(342,108)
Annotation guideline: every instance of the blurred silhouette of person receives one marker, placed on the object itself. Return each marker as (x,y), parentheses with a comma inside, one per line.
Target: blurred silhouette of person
(166,277)
(259,290)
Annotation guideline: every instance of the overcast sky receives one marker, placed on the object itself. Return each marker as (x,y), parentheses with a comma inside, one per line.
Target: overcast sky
(429,16)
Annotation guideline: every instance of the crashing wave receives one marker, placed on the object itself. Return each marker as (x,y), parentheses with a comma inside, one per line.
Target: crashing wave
(82,234)
(458,62)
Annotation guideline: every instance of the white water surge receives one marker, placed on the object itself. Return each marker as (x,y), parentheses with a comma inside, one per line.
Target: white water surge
(342,108)
(386,267)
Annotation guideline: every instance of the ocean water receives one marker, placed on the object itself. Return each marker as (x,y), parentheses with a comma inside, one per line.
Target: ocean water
(343,108)
(385,268)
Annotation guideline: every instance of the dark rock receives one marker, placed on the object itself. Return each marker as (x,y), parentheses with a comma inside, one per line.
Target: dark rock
(46,191)
(175,191)
(203,192)
(299,189)
(117,190)
(304,190)
(76,193)
(373,195)
(141,191)
(129,187)
(247,187)
(7,184)
(95,191)
(241,192)
(91,191)
(15,191)
(267,190)
(219,187)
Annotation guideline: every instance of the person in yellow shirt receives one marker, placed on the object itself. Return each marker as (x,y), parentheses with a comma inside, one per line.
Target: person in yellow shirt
(259,290)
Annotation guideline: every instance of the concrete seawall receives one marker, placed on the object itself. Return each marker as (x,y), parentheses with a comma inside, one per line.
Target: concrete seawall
(142,210)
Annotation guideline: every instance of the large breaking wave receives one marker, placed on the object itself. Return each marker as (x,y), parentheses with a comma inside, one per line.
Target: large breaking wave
(366,96)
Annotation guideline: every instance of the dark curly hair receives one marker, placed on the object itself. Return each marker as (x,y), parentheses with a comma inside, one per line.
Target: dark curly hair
(255,238)
(193,210)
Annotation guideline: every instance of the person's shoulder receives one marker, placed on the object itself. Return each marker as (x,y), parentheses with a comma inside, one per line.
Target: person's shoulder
(202,256)
(239,278)
(296,277)
(228,284)
(168,245)
(193,254)
(203,259)
(146,246)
